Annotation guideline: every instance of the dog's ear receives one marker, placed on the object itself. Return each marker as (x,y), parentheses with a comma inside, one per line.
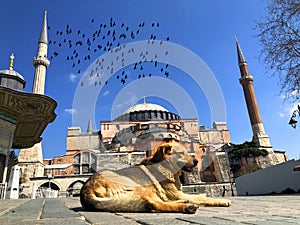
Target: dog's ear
(161,153)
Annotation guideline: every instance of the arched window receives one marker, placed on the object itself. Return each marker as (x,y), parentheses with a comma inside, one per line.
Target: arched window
(85,162)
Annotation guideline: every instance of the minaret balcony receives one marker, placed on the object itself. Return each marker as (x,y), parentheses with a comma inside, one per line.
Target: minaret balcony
(41,61)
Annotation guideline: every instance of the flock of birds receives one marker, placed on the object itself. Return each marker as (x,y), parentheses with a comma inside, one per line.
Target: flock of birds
(107,37)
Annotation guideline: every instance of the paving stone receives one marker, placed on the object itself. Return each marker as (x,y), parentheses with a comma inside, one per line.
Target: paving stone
(209,220)
(260,210)
(54,208)
(63,221)
(106,218)
(28,211)
(270,222)
(165,221)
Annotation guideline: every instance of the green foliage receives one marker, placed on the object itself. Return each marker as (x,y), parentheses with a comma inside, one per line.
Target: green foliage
(246,150)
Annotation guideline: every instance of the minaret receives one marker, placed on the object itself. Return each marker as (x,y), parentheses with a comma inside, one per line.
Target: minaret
(31,159)
(89,126)
(246,80)
(41,62)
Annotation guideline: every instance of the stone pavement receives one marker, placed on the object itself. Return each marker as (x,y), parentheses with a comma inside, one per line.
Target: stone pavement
(244,210)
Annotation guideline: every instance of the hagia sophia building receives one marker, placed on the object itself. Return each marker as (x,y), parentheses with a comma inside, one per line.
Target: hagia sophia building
(134,135)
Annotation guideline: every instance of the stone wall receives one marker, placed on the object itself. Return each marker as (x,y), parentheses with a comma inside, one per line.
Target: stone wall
(219,134)
(222,167)
(116,161)
(77,141)
(211,189)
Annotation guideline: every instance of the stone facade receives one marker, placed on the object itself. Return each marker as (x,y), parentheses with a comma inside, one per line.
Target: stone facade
(219,134)
(76,140)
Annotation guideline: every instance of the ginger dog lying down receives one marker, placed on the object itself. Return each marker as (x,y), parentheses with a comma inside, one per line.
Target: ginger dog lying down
(153,185)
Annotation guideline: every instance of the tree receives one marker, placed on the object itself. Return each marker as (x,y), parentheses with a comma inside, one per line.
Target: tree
(245,151)
(279,35)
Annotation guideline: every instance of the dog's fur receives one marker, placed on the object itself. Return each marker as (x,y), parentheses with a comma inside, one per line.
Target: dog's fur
(153,185)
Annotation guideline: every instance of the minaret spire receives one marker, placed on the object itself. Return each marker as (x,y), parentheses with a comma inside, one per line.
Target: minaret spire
(41,62)
(44,35)
(241,58)
(89,127)
(246,81)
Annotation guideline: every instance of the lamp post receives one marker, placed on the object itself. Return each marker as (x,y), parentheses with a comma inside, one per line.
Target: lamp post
(296,113)
(50,176)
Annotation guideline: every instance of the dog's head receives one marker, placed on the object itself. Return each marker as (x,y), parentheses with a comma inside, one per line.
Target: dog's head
(176,156)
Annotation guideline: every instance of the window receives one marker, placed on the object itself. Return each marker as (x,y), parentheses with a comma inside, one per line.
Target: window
(77,159)
(85,162)
(85,158)
(85,168)
(76,169)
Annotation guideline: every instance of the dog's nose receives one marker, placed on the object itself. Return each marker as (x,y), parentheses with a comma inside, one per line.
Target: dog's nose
(195,161)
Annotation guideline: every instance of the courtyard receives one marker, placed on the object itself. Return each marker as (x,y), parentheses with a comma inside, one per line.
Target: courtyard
(282,209)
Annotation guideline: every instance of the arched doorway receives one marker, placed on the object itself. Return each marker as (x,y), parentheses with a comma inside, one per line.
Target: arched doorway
(50,185)
(74,188)
(47,190)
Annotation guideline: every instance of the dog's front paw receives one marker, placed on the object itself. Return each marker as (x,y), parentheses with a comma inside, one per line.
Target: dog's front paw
(191,208)
(225,202)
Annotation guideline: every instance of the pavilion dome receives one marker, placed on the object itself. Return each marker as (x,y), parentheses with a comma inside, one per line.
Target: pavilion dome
(12,73)
(11,78)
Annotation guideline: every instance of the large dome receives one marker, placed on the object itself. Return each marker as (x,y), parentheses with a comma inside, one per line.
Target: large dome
(146,112)
(145,107)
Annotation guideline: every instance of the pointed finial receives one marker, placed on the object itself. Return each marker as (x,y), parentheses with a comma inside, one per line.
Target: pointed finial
(11,63)
(43,35)
(145,100)
(241,58)
(89,127)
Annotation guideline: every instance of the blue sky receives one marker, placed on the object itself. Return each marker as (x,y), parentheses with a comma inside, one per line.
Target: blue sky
(203,30)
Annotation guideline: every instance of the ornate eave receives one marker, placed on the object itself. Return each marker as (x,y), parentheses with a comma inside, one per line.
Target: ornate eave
(32,113)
